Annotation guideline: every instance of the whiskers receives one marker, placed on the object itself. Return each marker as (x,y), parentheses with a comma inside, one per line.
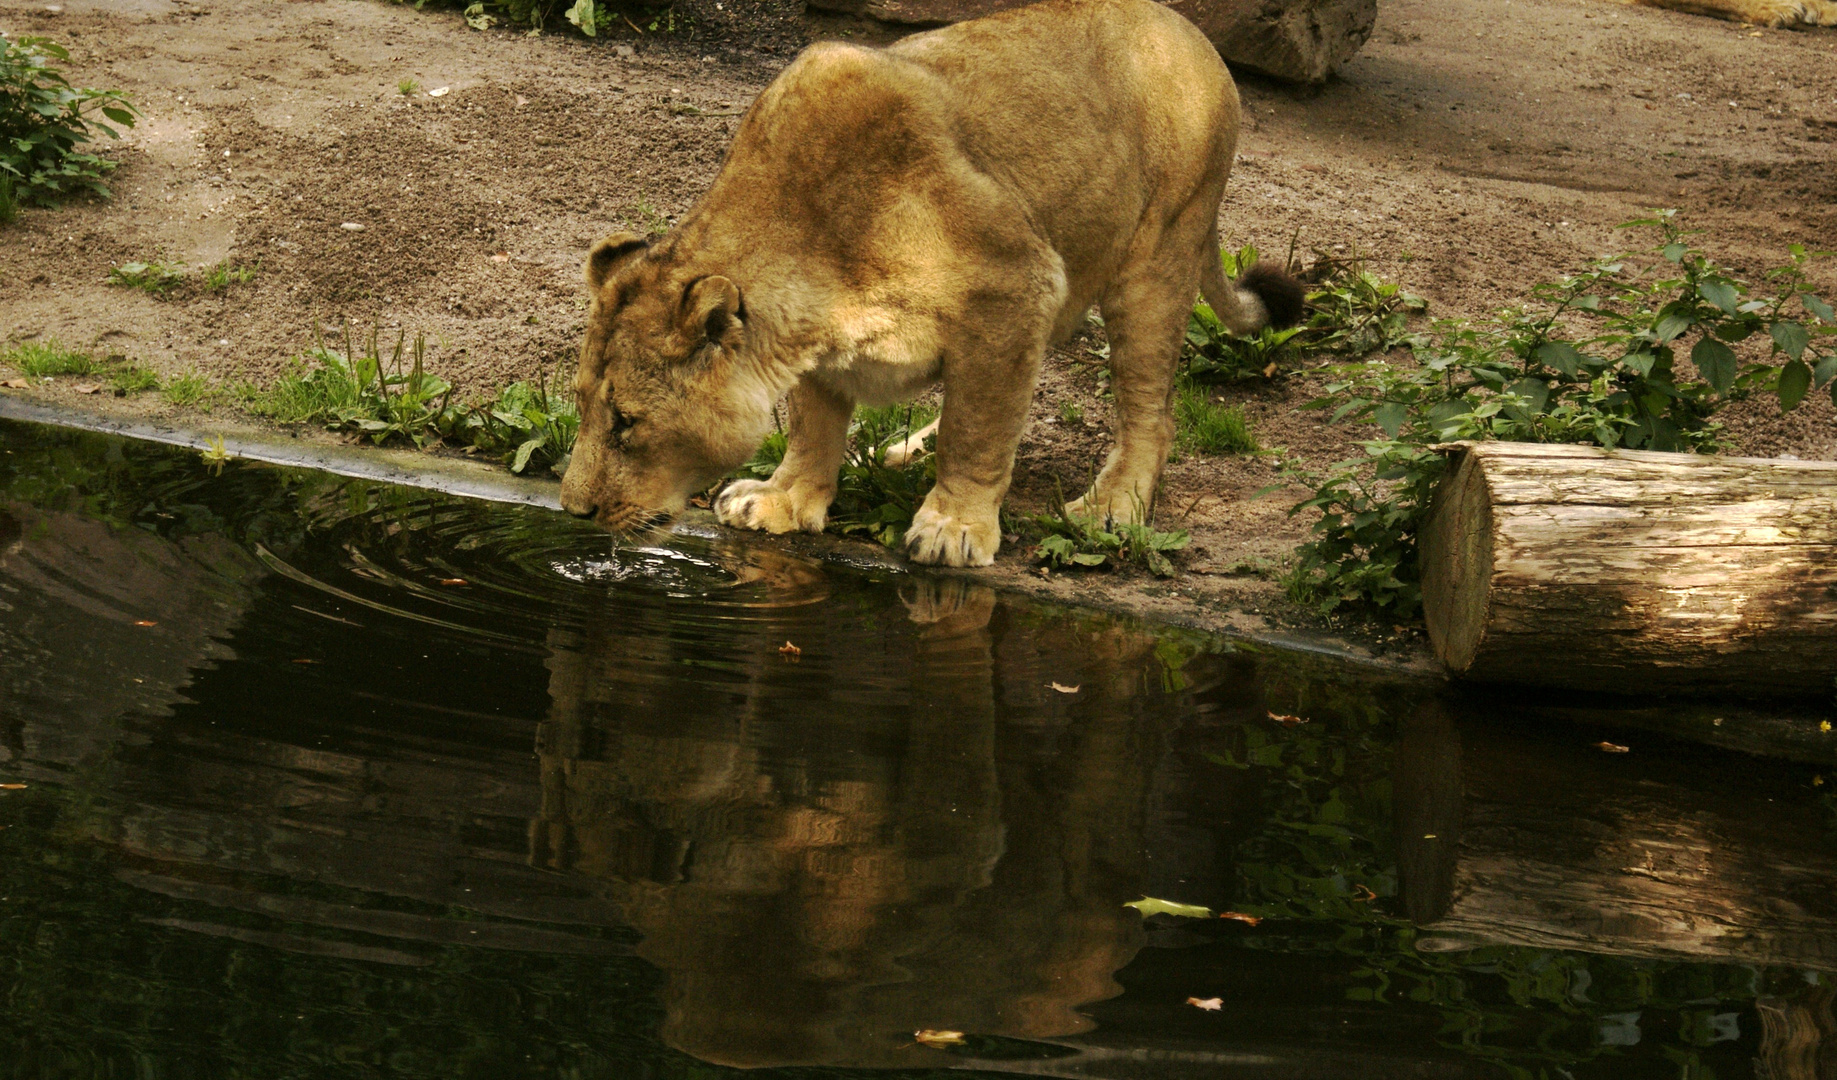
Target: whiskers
(631,522)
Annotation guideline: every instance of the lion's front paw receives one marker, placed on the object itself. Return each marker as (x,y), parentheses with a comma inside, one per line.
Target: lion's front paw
(755,504)
(939,538)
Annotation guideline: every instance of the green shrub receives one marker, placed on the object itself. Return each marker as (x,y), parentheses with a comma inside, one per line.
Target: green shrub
(1524,376)
(1204,426)
(153,277)
(529,424)
(47,357)
(45,123)
(223,275)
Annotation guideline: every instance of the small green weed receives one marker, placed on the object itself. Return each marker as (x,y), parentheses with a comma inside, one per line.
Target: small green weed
(1073,540)
(153,277)
(407,87)
(532,425)
(1071,412)
(223,275)
(133,379)
(362,392)
(1523,377)
(48,357)
(873,499)
(1204,426)
(45,123)
(650,219)
(191,391)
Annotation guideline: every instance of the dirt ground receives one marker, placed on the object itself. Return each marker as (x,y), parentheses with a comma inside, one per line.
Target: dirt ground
(1472,148)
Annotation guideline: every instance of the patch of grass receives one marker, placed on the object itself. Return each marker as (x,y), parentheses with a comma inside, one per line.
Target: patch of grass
(48,357)
(407,87)
(1204,426)
(46,124)
(133,379)
(1074,540)
(154,277)
(223,275)
(191,391)
(650,219)
(1071,412)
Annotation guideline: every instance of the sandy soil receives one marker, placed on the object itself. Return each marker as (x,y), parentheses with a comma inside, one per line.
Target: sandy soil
(1472,148)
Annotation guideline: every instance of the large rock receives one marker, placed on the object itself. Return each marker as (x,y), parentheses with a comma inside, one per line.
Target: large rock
(1298,40)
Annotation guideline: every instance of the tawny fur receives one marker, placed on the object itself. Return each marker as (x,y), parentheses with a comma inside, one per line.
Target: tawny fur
(937,211)
(1774,13)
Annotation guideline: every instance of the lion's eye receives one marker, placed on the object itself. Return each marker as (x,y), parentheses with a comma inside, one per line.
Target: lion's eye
(621,426)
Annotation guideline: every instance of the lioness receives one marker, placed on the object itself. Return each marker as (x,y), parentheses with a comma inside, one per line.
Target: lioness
(1776,13)
(939,210)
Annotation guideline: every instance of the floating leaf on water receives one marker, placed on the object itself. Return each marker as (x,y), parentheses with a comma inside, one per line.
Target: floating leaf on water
(1824,725)
(1241,917)
(788,649)
(1364,895)
(928,1037)
(454,581)
(1064,689)
(1208,1004)
(304,660)
(145,622)
(1148,905)
(1611,748)
(12,787)
(1287,721)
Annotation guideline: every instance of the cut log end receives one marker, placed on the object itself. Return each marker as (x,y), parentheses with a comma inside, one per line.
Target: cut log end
(1457,559)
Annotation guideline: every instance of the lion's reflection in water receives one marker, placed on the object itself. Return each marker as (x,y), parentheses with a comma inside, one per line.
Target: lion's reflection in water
(818,872)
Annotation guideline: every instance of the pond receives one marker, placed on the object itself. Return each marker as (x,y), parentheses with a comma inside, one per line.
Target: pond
(315,777)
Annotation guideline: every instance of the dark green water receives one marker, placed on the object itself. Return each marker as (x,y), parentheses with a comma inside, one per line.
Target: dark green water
(399,785)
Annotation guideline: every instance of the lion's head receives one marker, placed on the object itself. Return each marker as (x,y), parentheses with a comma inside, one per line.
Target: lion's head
(670,397)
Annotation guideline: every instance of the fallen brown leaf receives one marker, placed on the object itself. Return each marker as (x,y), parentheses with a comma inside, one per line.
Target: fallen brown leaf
(1611,748)
(1286,721)
(928,1037)
(1208,1004)
(12,787)
(500,257)
(88,388)
(788,649)
(16,384)
(1241,917)
(146,622)
(1364,895)
(454,581)
(1063,689)
(1270,371)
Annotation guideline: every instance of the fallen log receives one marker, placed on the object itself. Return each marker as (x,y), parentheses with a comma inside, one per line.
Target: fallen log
(1633,572)
(1302,41)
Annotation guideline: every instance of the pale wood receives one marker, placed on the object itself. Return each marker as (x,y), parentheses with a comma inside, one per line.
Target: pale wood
(1633,571)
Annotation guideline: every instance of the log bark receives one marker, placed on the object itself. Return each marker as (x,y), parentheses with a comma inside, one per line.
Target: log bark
(1302,41)
(1633,572)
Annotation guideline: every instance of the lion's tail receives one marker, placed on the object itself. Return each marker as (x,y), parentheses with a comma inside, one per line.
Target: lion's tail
(1262,296)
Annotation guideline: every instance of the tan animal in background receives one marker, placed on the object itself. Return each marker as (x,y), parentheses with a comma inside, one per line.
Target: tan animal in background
(937,211)
(1775,13)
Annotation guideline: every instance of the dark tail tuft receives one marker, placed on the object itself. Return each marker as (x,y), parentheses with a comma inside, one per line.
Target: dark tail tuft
(1283,297)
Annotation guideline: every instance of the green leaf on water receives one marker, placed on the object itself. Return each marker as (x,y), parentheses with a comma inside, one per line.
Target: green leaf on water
(1148,905)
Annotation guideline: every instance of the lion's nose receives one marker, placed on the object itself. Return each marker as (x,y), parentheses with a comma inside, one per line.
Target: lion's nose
(574,503)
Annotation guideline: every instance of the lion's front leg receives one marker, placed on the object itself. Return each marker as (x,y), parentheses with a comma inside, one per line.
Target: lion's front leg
(985,408)
(798,495)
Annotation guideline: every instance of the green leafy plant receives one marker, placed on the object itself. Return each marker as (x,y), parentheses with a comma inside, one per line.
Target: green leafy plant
(1071,412)
(874,498)
(1078,540)
(45,124)
(1204,426)
(358,390)
(588,17)
(1593,358)
(531,425)
(407,87)
(47,357)
(223,275)
(153,277)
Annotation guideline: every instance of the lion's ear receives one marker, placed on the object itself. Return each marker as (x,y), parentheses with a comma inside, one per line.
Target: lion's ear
(710,309)
(611,253)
